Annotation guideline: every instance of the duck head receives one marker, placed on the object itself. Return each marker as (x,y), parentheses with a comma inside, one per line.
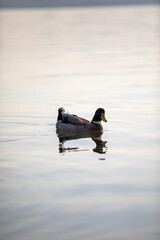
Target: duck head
(99,115)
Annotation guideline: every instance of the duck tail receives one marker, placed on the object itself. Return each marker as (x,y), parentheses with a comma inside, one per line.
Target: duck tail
(60,112)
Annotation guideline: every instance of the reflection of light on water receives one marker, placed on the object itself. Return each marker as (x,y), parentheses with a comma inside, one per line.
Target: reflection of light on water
(102,159)
(70,57)
(100,148)
(62,149)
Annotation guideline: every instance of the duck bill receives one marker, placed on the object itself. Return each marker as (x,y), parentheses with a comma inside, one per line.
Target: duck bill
(103,117)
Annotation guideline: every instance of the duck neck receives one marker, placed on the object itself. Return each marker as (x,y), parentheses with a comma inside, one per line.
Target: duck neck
(96,119)
(97,122)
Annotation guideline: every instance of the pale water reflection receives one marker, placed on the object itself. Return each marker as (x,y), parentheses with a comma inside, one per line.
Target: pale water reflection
(81,59)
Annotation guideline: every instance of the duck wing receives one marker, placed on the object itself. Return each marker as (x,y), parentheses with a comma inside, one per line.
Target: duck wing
(74,119)
(85,121)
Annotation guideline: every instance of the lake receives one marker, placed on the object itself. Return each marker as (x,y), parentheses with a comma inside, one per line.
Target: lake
(103,187)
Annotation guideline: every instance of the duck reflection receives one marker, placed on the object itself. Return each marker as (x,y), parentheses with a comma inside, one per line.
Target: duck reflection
(96,137)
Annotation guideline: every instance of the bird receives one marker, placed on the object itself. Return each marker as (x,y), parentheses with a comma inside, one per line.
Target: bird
(72,123)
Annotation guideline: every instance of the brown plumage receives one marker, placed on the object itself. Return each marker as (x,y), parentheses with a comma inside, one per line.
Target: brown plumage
(73,123)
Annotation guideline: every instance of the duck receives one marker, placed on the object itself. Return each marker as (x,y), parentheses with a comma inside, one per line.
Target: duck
(72,123)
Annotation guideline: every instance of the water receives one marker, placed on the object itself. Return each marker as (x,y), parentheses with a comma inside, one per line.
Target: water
(81,59)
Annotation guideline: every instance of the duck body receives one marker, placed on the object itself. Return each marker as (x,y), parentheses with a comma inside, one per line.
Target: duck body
(73,123)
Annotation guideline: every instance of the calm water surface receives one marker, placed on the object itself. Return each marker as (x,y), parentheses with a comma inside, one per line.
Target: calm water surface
(92,187)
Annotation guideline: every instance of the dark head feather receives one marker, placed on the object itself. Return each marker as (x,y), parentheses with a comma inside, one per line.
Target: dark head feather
(98,115)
